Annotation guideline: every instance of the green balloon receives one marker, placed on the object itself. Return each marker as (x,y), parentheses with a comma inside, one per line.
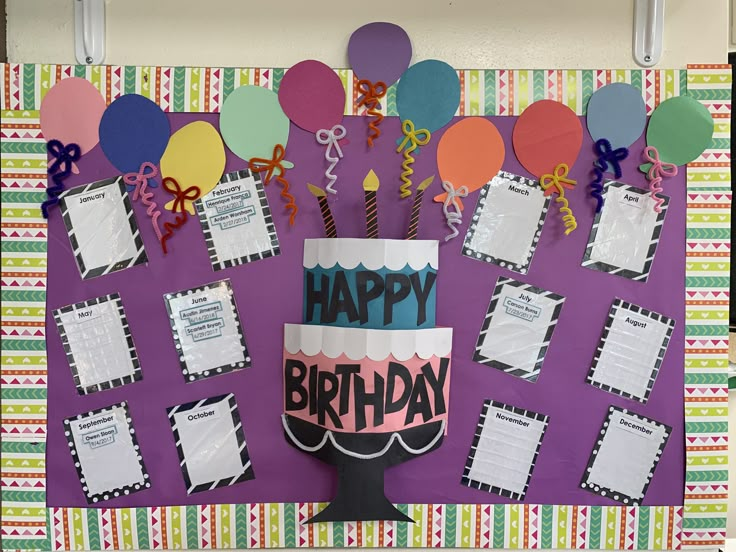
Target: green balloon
(252,122)
(681,128)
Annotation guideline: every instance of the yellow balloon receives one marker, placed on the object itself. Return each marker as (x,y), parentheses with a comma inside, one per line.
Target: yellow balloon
(195,156)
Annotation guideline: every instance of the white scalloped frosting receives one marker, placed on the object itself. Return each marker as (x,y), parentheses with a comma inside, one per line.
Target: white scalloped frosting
(358,343)
(374,254)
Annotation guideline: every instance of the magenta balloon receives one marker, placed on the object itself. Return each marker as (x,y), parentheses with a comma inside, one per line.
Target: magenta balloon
(71,111)
(312,96)
(379,52)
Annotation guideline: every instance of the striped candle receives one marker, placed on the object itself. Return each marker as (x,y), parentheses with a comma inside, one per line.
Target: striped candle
(414,218)
(324,208)
(370,186)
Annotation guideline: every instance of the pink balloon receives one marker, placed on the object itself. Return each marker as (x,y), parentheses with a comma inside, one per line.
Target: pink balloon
(71,113)
(312,96)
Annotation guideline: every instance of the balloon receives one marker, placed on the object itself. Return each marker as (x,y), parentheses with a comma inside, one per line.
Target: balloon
(681,128)
(546,134)
(617,113)
(134,130)
(379,52)
(252,122)
(195,156)
(428,94)
(70,112)
(469,154)
(312,96)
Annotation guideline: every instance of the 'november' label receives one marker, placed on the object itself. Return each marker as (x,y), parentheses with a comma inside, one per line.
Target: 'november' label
(512,420)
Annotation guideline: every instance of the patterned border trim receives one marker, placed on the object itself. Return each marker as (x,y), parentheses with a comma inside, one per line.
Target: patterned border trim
(523,374)
(27,524)
(102,386)
(656,233)
(106,495)
(613,493)
(465,480)
(624,305)
(218,264)
(218,369)
(203,89)
(85,271)
(468,251)
(239,436)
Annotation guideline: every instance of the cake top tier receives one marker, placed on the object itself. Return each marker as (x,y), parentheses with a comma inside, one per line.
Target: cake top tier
(372,254)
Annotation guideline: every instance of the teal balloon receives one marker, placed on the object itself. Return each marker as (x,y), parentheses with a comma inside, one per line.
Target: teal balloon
(252,122)
(428,94)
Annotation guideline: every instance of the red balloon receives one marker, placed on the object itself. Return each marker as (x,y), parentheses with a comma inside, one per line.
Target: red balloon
(546,134)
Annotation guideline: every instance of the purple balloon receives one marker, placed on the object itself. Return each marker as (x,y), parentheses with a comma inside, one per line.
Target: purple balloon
(379,52)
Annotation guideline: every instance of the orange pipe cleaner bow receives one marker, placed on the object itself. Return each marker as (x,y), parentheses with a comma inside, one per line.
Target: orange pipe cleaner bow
(260,164)
(371,93)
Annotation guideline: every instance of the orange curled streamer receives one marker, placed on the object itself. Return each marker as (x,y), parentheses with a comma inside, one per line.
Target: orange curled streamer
(192,193)
(261,164)
(371,94)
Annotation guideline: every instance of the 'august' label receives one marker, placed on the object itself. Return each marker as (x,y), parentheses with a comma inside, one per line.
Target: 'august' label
(637,323)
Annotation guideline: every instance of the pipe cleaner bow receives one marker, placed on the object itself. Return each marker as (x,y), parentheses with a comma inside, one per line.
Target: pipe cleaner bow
(180,196)
(453,218)
(412,139)
(657,171)
(331,138)
(139,180)
(371,93)
(608,161)
(557,181)
(59,170)
(275,165)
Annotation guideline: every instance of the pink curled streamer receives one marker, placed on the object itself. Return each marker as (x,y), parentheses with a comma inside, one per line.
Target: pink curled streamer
(140,181)
(658,171)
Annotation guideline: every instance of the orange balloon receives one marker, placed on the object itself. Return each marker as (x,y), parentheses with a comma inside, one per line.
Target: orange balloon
(469,154)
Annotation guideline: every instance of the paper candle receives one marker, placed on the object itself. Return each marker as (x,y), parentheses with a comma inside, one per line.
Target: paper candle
(324,207)
(414,218)
(370,185)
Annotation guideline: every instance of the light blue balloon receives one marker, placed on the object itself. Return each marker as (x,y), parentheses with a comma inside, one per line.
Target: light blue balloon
(617,113)
(428,94)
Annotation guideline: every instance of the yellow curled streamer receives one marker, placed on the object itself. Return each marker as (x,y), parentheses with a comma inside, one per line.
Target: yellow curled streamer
(557,182)
(412,139)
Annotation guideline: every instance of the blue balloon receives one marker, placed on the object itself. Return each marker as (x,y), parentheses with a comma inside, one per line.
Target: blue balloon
(617,113)
(428,94)
(134,130)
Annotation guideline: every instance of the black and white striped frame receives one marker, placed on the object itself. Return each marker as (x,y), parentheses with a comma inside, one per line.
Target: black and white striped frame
(137,375)
(93,272)
(635,309)
(112,493)
(468,251)
(612,493)
(248,472)
(465,479)
(220,264)
(177,341)
(618,271)
(480,358)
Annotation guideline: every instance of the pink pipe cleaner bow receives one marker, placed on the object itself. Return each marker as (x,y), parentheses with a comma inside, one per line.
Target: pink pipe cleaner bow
(140,181)
(656,173)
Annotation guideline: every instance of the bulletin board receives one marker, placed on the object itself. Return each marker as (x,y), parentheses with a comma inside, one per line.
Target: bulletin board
(43,507)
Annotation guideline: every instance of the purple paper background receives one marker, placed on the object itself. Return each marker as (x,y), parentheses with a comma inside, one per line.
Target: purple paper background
(269,293)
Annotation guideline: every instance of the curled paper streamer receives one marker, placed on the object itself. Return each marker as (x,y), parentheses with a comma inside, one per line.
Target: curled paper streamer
(331,138)
(59,170)
(453,218)
(276,163)
(371,93)
(557,182)
(179,204)
(139,182)
(412,139)
(658,170)
(608,161)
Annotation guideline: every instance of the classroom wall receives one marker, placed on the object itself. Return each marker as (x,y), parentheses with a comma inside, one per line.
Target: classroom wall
(465,33)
